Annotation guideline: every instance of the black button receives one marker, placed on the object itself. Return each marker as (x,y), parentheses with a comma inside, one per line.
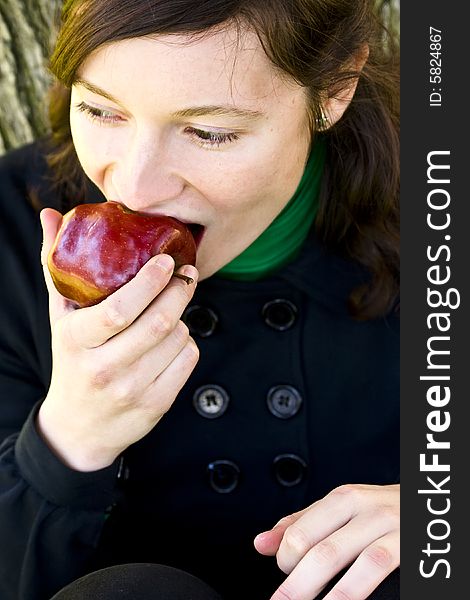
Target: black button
(223,475)
(284,401)
(211,401)
(289,469)
(279,314)
(200,320)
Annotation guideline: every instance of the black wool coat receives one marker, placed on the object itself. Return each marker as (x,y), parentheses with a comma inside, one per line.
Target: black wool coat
(291,398)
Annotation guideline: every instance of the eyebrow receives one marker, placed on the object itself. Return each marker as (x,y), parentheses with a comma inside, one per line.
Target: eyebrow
(218,111)
(184,113)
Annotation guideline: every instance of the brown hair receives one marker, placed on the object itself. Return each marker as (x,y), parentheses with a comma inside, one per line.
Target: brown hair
(312,41)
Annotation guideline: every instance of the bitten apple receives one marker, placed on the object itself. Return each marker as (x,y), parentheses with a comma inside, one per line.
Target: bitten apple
(100,247)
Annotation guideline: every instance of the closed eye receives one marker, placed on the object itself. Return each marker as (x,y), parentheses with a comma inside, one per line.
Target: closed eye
(204,138)
(98,114)
(211,138)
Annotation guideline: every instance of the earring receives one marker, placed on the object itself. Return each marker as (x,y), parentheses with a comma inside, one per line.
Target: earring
(322,122)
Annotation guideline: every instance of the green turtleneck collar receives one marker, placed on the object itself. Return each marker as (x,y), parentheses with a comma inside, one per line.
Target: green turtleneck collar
(283,239)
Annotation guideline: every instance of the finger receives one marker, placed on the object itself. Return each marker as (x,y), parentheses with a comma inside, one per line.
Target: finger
(169,383)
(157,322)
(50,221)
(338,526)
(311,526)
(327,558)
(372,566)
(58,305)
(324,518)
(152,364)
(92,326)
(267,542)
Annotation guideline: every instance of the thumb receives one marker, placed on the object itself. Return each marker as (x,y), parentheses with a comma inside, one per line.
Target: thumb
(51,221)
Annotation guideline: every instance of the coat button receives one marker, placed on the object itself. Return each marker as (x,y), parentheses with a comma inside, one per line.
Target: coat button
(211,401)
(200,320)
(279,314)
(284,401)
(289,469)
(223,476)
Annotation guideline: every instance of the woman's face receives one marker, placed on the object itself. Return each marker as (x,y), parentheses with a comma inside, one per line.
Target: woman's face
(204,131)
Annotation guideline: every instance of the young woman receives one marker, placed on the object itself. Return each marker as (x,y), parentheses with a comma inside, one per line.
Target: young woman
(245,428)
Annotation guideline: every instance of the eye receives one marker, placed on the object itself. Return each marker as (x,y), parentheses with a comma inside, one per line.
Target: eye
(211,138)
(98,114)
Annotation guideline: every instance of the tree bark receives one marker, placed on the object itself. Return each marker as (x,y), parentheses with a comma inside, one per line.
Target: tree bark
(26,32)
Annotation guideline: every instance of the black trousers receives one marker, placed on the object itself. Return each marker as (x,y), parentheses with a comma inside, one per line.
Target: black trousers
(142,581)
(137,581)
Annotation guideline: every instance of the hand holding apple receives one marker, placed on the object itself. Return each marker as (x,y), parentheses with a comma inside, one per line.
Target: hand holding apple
(117,365)
(100,247)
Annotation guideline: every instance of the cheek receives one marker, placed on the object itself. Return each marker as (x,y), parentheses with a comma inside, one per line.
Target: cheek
(234,191)
(269,173)
(278,160)
(92,147)
(82,140)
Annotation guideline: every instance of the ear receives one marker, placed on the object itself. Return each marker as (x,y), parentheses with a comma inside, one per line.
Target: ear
(335,104)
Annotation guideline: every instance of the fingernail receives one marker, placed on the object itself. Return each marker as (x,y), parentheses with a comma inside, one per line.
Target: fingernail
(165,262)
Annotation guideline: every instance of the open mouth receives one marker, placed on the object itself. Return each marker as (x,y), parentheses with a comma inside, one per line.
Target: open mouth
(197,232)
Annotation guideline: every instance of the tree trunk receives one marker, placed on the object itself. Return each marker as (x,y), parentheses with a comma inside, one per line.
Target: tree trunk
(26,28)
(26,36)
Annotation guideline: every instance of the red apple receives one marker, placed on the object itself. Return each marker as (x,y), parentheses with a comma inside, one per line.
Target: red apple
(100,247)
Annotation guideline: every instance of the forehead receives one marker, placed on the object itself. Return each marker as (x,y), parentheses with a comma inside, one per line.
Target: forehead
(222,67)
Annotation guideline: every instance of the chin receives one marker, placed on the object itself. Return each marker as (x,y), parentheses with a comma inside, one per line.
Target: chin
(205,271)
(205,263)
(212,256)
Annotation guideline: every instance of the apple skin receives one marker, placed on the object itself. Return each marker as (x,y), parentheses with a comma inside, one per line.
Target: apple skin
(100,247)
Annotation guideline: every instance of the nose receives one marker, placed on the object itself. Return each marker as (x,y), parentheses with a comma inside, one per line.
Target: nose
(143,176)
